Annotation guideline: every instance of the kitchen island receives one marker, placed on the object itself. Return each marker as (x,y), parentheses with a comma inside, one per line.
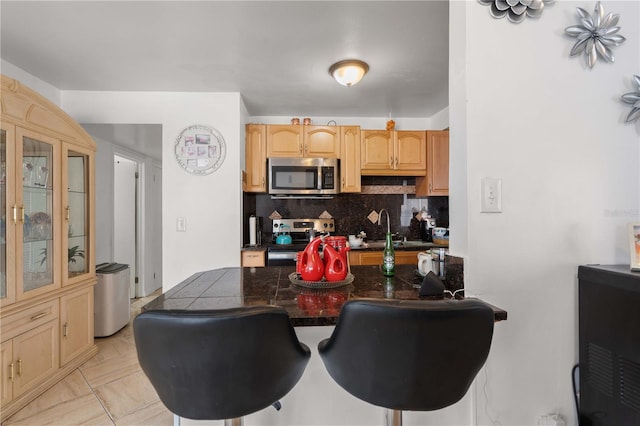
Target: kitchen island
(316,399)
(234,287)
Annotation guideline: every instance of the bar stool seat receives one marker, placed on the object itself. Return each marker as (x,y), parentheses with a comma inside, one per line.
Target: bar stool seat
(219,364)
(408,354)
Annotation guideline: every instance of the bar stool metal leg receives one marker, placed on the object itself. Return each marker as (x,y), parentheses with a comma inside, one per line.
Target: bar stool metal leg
(392,417)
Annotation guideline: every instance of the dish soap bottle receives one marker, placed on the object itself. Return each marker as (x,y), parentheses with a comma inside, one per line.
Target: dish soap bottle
(388,258)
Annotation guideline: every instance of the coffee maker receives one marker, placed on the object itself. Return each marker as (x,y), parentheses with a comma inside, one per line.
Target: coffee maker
(426,228)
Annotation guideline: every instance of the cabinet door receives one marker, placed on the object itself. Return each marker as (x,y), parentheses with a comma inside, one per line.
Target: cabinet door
(38,214)
(7,209)
(76,321)
(321,141)
(411,151)
(284,141)
(35,354)
(256,158)
(438,155)
(8,372)
(377,152)
(78,203)
(350,159)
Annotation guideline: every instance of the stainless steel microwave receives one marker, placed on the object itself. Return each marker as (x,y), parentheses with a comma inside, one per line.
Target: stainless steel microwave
(313,177)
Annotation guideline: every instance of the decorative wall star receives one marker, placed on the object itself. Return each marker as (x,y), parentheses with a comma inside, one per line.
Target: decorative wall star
(515,10)
(633,98)
(595,33)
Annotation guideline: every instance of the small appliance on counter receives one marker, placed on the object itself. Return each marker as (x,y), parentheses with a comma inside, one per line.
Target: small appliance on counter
(426,229)
(301,232)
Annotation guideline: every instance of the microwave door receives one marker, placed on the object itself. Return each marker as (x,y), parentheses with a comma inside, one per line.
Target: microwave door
(294,179)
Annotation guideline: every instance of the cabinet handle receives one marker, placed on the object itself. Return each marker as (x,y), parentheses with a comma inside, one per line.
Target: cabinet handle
(396,162)
(429,187)
(15,214)
(67,215)
(263,181)
(11,372)
(65,328)
(38,316)
(300,148)
(21,214)
(19,367)
(343,183)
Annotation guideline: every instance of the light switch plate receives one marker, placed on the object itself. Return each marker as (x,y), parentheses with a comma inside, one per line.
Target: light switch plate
(491,195)
(181,224)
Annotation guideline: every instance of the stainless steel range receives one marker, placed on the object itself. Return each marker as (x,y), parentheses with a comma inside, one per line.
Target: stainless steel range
(302,231)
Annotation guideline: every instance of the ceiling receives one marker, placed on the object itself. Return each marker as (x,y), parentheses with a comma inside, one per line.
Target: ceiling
(276,54)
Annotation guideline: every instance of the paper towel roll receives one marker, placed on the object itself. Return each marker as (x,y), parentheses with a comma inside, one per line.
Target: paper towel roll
(252,230)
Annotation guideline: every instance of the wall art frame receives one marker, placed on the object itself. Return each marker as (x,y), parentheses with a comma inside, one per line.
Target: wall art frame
(634,246)
(200,150)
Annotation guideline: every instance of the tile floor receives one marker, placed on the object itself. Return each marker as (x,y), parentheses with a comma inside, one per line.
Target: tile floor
(109,389)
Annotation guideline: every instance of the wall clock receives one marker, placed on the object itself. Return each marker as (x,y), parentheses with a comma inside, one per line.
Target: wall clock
(200,150)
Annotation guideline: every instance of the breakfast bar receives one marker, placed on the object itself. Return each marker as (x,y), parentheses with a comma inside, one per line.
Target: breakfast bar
(235,287)
(316,399)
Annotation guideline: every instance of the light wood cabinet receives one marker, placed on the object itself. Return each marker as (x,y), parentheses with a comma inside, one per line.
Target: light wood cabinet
(403,257)
(253,258)
(436,181)
(256,158)
(303,141)
(350,159)
(46,243)
(76,324)
(397,153)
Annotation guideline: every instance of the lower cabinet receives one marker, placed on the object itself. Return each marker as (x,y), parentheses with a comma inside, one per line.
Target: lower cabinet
(76,324)
(29,357)
(42,343)
(403,257)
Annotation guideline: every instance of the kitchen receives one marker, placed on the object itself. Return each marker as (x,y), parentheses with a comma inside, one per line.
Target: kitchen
(569,170)
(352,201)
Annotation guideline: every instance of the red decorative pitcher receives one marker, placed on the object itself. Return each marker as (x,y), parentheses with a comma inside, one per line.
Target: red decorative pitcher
(311,266)
(335,264)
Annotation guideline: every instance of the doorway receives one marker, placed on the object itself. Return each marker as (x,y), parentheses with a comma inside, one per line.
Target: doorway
(125,216)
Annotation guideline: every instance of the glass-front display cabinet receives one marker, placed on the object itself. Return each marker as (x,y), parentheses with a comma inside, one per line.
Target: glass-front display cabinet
(76,213)
(47,260)
(36,204)
(7,251)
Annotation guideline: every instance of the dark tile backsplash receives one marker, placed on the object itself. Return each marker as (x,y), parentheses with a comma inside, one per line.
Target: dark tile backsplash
(350,211)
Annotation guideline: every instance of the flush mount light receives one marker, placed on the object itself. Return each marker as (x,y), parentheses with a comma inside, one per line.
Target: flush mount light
(348,72)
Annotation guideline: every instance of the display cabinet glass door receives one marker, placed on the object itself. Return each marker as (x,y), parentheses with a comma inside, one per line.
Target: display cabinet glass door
(77,213)
(5,214)
(36,214)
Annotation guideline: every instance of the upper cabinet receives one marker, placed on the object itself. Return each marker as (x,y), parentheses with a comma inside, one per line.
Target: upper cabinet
(436,182)
(399,153)
(350,159)
(255,158)
(303,141)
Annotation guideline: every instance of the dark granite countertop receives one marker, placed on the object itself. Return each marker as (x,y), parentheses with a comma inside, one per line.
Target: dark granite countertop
(233,287)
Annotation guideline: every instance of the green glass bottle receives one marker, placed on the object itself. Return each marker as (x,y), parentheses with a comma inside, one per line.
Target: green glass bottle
(388,258)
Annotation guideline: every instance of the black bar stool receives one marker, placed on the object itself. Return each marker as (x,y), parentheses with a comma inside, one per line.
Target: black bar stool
(408,354)
(219,364)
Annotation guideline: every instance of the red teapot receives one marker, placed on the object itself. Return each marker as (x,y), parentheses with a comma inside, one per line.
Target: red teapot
(311,265)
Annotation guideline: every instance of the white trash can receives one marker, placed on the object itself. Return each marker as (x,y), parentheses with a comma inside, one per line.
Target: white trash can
(111,298)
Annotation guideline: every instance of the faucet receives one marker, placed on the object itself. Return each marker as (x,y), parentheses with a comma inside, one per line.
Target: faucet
(380,220)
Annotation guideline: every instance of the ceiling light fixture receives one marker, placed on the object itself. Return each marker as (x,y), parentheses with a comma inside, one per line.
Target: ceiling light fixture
(348,72)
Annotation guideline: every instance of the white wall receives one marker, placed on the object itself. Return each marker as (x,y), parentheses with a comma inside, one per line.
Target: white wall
(211,204)
(437,122)
(45,89)
(553,131)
